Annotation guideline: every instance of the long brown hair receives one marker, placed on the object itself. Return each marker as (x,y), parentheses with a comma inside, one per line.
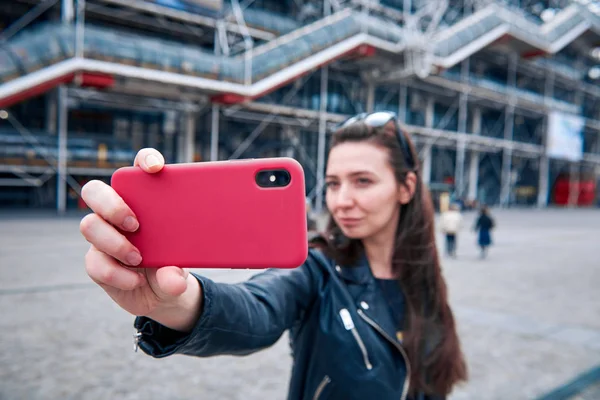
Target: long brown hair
(430,337)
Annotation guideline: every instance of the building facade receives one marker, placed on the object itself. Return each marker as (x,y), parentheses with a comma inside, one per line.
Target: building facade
(501,97)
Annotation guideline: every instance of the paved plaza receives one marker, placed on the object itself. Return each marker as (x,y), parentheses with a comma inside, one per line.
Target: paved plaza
(529,318)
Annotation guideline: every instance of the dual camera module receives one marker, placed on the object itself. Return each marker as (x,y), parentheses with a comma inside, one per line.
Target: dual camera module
(273,178)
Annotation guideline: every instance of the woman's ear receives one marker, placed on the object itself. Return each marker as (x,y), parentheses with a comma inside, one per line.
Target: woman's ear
(406,191)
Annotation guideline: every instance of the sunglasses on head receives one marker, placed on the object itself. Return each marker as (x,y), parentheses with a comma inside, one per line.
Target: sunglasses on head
(379,119)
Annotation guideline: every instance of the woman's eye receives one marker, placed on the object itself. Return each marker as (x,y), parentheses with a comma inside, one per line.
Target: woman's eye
(363,181)
(331,185)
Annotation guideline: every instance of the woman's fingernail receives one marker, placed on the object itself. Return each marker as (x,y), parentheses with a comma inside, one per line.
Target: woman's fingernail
(184,274)
(130,224)
(134,258)
(152,160)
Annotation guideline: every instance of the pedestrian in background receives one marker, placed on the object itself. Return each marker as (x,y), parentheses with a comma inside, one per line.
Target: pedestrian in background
(451,222)
(484,225)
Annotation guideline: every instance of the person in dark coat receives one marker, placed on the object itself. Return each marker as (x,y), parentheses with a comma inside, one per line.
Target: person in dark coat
(484,226)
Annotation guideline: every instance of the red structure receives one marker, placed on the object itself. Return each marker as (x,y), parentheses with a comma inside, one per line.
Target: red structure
(585,187)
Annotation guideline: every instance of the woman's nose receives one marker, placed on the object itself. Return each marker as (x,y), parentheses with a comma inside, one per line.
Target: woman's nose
(345,196)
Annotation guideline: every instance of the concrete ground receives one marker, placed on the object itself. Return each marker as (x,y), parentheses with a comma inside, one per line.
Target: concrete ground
(528,316)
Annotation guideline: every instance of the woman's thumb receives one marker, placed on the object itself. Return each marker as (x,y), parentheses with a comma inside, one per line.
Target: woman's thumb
(172,281)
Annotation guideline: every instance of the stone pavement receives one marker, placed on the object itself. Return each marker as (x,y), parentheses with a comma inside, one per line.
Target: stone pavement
(529,318)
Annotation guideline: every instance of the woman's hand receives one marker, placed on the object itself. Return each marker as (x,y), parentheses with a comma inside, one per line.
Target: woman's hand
(168,295)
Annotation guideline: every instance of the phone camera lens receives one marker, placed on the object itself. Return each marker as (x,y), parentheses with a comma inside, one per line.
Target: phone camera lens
(273,178)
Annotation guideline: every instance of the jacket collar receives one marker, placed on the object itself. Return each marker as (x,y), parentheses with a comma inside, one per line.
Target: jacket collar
(377,309)
(358,273)
(367,295)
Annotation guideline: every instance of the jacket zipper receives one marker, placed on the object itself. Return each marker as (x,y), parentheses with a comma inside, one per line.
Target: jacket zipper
(349,325)
(321,387)
(397,345)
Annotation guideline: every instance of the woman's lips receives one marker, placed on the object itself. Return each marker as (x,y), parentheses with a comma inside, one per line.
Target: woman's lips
(349,222)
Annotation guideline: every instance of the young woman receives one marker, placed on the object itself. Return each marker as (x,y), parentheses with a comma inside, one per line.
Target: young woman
(367,312)
(484,226)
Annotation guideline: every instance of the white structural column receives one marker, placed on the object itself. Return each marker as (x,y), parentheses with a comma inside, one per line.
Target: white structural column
(544,181)
(61,182)
(473,175)
(67,16)
(474,158)
(575,167)
(506,178)
(544,169)
(214,132)
(67,10)
(51,110)
(402,101)
(187,137)
(429,110)
(322,140)
(459,171)
(370,97)
(509,121)
(574,177)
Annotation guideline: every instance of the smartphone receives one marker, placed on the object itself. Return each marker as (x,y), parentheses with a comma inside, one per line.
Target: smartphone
(224,214)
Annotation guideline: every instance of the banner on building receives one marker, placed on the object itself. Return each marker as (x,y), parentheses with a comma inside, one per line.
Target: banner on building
(565,136)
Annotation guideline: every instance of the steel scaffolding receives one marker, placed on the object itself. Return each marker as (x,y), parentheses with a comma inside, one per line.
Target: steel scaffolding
(443,105)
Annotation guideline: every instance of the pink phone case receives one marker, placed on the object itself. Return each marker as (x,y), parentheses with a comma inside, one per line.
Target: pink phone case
(215,214)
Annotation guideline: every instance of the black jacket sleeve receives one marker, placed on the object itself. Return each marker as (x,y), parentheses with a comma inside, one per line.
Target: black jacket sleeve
(239,319)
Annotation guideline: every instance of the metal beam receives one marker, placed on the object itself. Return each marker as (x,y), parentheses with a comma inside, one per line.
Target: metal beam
(186,16)
(459,173)
(26,19)
(214,133)
(430,112)
(292,135)
(575,167)
(543,182)
(51,111)
(427,148)
(370,96)
(136,20)
(482,143)
(474,158)
(61,201)
(473,175)
(507,158)
(12,182)
(268,119)
(129,102)
(500,98)
(187,138)
(322,140)
(79,29)
(509,125)
(67,10)
(259,116)
(402,101)
(544,161)
(574,177)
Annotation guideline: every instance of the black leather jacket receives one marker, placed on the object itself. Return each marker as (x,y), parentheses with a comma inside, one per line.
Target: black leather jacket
(341,331)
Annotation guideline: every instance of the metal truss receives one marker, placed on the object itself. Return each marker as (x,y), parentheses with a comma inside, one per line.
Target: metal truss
(54,164)
(186,17)
(266,120)
(232,35)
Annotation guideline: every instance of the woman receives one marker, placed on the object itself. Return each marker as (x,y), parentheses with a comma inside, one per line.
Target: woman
(367,312)
(484,225)
(451,222)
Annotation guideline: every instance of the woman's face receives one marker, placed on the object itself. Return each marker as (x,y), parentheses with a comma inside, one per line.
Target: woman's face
(363,195)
